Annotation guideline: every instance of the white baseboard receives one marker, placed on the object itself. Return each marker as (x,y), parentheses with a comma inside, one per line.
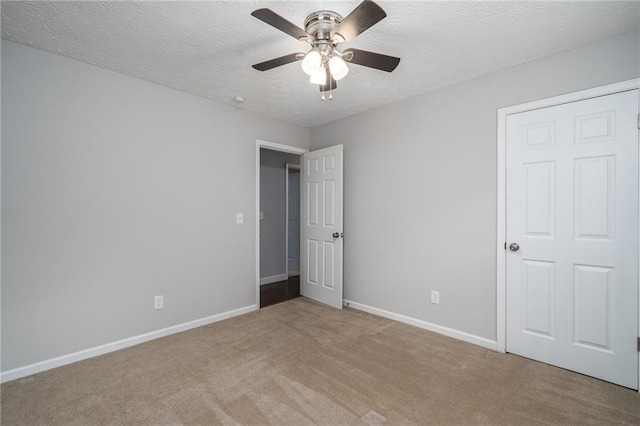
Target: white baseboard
(456,334)
(48,364)
(273,279)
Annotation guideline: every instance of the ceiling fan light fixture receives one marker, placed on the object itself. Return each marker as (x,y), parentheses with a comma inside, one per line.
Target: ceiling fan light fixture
(312,62)
(338,68)
(324,31)
(319,77)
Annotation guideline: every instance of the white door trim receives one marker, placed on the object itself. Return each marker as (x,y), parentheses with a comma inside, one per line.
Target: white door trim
(275,147)
(289,167)
(501,253)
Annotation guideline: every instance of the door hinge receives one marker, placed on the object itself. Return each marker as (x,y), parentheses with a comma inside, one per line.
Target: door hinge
(638,121)
(638,344)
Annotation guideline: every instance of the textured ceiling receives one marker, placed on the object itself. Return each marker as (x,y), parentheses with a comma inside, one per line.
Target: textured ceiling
(207,48)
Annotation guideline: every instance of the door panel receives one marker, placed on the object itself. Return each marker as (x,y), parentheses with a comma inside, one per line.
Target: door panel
(538,301)
(572,206)
(539,197)
(594,204)
(322,217)
(592,306)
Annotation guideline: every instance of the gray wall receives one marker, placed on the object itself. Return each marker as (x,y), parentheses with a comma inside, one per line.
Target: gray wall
(420,186)
(115,190)
(273,177)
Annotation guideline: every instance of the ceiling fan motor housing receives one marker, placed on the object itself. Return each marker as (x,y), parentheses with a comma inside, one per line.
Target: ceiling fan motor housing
(320,24)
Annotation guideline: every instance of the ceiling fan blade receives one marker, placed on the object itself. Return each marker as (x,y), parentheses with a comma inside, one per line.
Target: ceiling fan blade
(371,59)
(282,60)
(270,17)
(366,15)
(330,84)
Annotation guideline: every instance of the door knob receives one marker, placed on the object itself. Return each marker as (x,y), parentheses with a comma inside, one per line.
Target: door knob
(336,235)
(514,247)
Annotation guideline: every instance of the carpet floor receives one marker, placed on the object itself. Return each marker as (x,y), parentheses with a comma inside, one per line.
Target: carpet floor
(299,363)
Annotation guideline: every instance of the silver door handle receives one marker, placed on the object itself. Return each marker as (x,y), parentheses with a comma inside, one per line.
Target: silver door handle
(514,247)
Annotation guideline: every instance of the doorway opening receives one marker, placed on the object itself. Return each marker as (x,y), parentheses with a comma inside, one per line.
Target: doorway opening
(278,222)
(321,223)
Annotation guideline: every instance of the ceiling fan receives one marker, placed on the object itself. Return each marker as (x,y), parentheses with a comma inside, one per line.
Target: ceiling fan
(324,31)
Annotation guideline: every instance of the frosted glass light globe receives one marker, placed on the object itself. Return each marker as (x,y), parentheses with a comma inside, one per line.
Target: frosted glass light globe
(319,77)
(338,68)
(311,62)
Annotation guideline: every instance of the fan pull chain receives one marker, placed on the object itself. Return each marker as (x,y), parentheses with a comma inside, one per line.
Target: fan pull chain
(330,87)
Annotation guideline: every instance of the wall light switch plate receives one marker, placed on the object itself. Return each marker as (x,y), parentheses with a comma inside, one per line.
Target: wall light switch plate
(435,297)
(261,215)
(239,217)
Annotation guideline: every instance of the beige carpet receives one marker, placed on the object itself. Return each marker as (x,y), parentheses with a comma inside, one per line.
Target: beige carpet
(302,363)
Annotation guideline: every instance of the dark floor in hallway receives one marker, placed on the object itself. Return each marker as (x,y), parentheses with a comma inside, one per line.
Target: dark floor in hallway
(273,293)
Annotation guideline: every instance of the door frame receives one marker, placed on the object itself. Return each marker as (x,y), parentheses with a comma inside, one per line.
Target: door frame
(501,252)
(289,167)
(290,149)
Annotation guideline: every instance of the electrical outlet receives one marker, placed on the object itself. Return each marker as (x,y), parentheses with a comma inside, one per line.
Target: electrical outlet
(239,217)
(158,302)
(435,297)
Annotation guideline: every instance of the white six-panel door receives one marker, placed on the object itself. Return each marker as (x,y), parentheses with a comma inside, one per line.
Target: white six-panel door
(572,208)
(321,225)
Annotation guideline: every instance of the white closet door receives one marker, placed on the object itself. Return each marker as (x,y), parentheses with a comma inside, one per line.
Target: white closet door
(572,208)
